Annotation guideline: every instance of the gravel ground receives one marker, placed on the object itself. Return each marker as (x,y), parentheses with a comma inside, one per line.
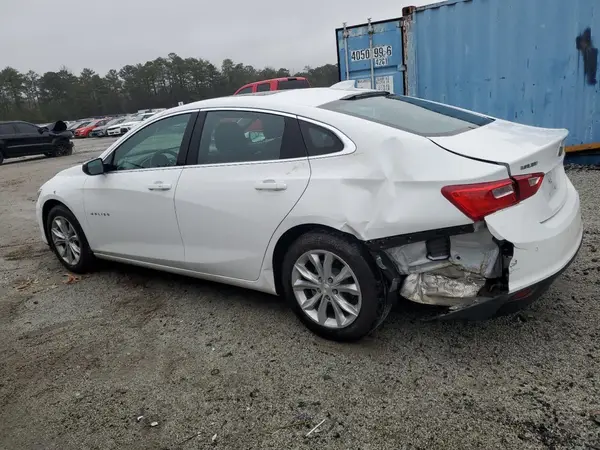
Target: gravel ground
(131,358)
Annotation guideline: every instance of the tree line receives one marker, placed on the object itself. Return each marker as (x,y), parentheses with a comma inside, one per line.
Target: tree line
(160,83)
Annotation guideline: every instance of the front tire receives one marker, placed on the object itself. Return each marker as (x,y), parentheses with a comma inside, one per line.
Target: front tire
(333,288)
(68,242)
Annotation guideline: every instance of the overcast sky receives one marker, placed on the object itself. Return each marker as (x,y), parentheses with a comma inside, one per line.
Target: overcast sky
(43,35)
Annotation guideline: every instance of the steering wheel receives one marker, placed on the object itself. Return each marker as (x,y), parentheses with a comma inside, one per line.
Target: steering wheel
(162,159)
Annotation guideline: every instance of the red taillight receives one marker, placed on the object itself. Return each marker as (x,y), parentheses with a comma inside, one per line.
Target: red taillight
(528,185)
(481,199)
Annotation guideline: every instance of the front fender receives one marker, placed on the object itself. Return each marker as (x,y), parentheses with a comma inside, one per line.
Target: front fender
(67,191)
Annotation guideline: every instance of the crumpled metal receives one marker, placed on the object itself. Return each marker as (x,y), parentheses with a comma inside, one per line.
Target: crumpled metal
(448,286)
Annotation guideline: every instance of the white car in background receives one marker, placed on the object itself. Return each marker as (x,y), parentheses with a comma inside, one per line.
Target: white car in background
(135,121)
(343,201)
(128,124)
(115,129)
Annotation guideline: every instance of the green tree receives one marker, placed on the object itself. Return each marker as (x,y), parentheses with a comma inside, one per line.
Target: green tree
(159,83)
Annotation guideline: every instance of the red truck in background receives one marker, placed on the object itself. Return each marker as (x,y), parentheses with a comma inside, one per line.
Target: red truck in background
(276,84)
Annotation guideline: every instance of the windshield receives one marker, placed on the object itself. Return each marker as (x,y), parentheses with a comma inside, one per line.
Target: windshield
(409,114)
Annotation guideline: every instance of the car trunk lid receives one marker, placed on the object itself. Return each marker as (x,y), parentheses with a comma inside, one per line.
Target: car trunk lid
(522,150)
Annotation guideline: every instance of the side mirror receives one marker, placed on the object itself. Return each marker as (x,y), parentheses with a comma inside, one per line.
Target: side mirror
(43,130)
(93,167)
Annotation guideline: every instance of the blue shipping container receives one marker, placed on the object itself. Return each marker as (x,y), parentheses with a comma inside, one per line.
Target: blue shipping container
(533,62)
(382,40)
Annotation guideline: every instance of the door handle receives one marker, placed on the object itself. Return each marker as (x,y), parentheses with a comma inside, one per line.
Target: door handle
(158,186)
(270,185)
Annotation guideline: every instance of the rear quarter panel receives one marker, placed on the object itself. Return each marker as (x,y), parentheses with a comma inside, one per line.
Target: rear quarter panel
(390,185)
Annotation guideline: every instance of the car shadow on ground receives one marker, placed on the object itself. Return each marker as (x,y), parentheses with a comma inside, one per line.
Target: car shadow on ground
(407,321)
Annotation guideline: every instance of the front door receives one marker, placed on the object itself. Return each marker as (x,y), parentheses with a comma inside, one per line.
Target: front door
(252,169)
(29,140)
(130,209)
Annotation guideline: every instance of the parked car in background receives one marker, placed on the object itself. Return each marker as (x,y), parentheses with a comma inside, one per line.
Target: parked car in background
(275,84)
(24,139)
(101,131)
(325,197)
(135,121)
(85,130)
(77,124)
(115,129)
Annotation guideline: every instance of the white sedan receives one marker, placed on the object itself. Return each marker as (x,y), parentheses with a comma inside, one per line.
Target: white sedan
(340,200)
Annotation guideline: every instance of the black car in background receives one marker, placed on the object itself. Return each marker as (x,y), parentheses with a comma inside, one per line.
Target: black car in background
(19,138)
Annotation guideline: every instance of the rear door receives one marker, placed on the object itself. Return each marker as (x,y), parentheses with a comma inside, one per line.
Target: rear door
(238,189)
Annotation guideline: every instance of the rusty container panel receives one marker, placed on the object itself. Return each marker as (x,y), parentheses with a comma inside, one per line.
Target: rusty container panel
(529,61)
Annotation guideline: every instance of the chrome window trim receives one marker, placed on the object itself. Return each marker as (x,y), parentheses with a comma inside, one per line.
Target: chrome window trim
(349,146)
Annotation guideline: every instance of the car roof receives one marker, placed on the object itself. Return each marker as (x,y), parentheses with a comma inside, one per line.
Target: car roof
(290,101)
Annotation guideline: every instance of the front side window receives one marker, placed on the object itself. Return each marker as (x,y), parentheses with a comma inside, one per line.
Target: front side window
(154,146)
(244,136)
(26,128)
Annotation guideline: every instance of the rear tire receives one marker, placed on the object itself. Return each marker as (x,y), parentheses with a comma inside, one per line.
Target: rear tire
(67,240)
(355,304)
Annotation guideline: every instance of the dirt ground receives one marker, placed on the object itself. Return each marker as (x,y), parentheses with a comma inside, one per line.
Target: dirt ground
(128,358)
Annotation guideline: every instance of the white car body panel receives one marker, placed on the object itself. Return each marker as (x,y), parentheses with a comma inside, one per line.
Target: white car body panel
(65,187)
(215,225)
(126,218)
(541,249)
(226,222)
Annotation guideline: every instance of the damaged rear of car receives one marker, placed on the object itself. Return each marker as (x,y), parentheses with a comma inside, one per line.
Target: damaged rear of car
(521,223)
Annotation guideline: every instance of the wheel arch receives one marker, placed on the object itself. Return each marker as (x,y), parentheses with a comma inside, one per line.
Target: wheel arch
(47,207)
(292,234)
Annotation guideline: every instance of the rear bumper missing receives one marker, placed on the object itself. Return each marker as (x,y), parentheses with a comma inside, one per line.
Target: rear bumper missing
(481,308)
(487,308)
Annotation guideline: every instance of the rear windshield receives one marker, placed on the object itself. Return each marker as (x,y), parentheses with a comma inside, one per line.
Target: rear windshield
(292,84)
(409,114)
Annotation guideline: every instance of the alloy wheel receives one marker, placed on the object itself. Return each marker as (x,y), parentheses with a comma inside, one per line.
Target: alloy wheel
(66,240)
(326,289)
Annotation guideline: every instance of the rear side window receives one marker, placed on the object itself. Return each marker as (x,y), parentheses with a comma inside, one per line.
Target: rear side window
(292,84)
(247,136)
(247,90)
(409,114)
(6,129)
(320,141)
(263,87)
